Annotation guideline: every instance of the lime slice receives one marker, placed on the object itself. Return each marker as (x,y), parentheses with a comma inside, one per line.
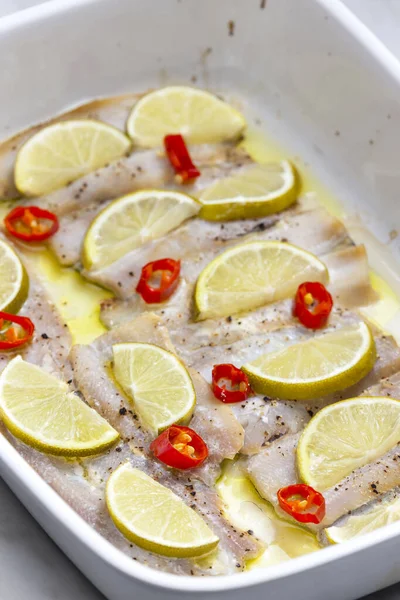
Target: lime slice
(317,367)
(255,191)
(153,517)
(63,152)
(199,116)
(156,381)
(133,220)
(251,275)
(345,436)
(39,410)
(14,282)
(378,515)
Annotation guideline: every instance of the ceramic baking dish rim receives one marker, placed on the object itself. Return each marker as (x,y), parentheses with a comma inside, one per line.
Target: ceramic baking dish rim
(56,506)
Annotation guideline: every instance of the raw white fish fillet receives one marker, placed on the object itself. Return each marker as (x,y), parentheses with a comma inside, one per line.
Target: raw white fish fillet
(349,277)
(225,331)
(264,419)
(362,486)
(213,420)
(81,484)
(51,341)
(380,500)
(235,544)
(123,275)
(275,467)
(196,244)
(113,111)
(77,204)
(251,346)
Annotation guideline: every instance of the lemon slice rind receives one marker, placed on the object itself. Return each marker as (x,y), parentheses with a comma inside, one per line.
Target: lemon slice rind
(40,410)
(156,381)
(345,436)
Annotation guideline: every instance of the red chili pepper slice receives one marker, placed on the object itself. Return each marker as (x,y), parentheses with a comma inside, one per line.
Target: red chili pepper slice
(31,223)
(302,502)
(179,158)
(235,378)
(180,447)
(168,270)
(11,336)
(313,304)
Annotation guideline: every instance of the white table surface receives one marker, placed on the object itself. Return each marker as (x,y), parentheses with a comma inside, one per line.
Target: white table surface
(31,565)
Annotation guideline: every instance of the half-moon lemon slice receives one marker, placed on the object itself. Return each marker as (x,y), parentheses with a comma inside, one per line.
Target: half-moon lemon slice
(40,410)
(153,517)
(65,151)
(199,116)
(319,366)
(255,191)
(345,436)
(254,274)
(133,220)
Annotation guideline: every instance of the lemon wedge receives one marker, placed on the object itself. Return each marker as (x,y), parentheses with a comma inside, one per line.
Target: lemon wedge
(153,517)
(344,436)
(133,220)
(14,282)
(251,275)
(199,116)
(157,382)
(378,515)
(319,366)
(255,191)
(40,410)
(65,151)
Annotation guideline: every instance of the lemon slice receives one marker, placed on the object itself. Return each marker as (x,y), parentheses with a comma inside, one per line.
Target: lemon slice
(345,436)
(253,274)
(255,191)
(156,381)
(378,515)
(317,367)
(39,410)
(153,517)
(199,116)
(60,153)
(133,220)
(14,281)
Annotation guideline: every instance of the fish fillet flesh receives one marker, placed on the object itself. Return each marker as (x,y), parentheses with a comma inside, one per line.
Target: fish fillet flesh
(380,501)
(123,275)
(82,483)
(79,203)
(51,342)
(113,111)
(275,467)
(196,244)
(214,421)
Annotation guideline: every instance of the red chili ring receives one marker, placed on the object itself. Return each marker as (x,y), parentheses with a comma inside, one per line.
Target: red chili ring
(172,448)
(23,322)
(19,215)
(310,508)
(313,304)
(236,377)
(170,270)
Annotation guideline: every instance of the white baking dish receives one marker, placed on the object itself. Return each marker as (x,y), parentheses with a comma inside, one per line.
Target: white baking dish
(326,88)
